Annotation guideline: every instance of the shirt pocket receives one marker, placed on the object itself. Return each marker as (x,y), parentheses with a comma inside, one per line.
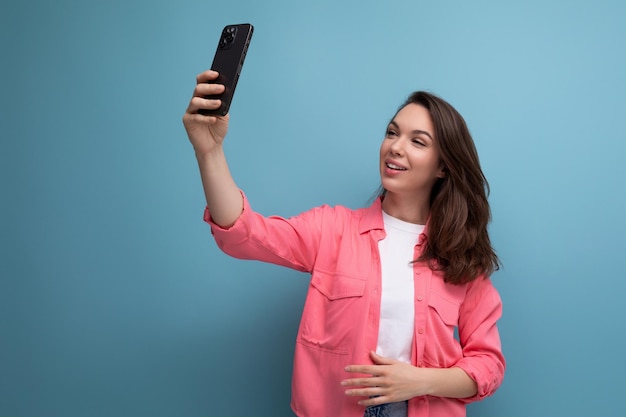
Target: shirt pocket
(446,309)
(443,349)
(333,309)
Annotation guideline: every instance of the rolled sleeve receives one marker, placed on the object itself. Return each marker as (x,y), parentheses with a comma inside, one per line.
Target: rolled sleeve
(482,358)
(236,233)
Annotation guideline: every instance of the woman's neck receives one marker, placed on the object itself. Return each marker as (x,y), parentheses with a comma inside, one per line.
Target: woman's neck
(408,209)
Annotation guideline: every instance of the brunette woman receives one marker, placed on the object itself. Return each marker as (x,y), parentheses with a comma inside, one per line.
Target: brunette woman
(391,282)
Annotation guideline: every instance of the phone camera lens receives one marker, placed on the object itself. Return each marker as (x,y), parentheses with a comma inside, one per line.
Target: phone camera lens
(228,36)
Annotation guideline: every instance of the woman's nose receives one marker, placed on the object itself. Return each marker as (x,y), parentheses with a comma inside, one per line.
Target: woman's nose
(397,147)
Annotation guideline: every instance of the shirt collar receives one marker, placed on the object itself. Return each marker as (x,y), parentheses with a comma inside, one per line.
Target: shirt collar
(372,218)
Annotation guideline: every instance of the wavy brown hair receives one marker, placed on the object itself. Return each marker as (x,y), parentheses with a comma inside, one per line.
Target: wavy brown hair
(458,241)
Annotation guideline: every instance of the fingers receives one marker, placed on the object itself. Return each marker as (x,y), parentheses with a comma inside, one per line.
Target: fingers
(373,381)
(198,103)
(203,96)
(374,394)
(208,89)
(374,399)
(206,85)
(207,76)
(381,360)
(377,368)
(364,369)
(374,388)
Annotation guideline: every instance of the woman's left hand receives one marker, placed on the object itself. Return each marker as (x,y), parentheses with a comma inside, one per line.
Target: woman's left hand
(389,381)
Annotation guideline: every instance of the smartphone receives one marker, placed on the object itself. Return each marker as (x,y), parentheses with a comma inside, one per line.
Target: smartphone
(228,61)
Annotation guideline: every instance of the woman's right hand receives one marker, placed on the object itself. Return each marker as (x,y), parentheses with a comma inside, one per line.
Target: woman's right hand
(206,133)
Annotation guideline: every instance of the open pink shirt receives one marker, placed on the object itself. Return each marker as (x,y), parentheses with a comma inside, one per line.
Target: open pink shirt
(339,324)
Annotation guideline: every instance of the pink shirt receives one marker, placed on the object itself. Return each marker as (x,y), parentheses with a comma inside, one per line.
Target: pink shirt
(339,324)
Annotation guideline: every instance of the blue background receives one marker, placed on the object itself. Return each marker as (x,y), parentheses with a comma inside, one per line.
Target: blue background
(115,301)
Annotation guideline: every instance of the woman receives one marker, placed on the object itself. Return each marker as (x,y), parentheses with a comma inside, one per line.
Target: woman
(389,283)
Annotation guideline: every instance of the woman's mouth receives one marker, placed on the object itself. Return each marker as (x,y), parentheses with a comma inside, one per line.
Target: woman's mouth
(394,166)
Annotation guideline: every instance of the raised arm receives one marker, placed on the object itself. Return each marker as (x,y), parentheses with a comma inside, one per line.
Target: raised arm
(206,134)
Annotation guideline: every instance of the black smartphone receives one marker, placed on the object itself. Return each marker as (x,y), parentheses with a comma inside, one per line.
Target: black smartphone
(228,61)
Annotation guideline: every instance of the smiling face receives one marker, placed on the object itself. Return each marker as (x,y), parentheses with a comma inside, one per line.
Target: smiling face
(409,155)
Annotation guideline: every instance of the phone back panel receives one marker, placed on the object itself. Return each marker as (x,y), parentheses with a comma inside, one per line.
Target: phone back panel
(228,61)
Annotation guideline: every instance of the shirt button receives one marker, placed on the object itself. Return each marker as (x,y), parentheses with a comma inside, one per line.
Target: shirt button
(420,330)
(418,272)
(420,298)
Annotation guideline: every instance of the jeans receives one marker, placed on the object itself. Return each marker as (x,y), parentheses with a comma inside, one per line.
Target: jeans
(387,410)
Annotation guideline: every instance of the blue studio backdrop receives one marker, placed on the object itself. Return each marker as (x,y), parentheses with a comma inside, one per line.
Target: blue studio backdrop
(114,299)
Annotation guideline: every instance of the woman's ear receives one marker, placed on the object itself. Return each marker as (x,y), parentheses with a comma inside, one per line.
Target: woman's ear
(443,172)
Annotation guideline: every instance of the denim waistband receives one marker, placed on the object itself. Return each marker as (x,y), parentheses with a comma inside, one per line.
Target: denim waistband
(398,409)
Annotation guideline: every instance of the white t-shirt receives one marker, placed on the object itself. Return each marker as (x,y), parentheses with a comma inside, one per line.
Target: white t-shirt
(395,334)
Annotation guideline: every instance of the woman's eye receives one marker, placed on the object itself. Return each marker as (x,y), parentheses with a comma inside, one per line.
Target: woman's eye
(391,132)
(417,142)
